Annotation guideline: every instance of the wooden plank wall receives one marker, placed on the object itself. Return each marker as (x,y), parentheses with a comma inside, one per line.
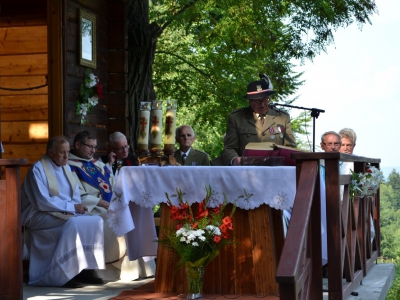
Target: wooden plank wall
(118,68)
(98,119)
(23,64)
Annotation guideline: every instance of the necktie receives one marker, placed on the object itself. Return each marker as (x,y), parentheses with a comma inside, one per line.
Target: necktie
(183,158)
(261,118)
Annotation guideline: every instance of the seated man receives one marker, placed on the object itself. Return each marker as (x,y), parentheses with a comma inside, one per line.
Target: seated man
(96,185)
(62,239)
(119,151)
(330,142)
(186,155)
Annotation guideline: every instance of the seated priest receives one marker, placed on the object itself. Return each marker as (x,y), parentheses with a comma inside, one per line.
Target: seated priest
(119,153)
(96,186)
(258,122)
(186,155)
(65,244)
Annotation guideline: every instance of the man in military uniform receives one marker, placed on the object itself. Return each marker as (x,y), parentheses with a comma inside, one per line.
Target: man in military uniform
(256,123)
(186,155)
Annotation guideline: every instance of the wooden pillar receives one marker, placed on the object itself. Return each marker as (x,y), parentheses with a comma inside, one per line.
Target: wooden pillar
(10,231)
(117,106)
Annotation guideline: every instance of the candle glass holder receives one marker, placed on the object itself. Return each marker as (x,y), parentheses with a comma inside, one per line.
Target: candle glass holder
(156,126)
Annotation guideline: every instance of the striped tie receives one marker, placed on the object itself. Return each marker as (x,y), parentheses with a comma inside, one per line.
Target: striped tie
(184,158)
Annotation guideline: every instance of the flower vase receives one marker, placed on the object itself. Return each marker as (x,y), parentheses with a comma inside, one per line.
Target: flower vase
(194,277)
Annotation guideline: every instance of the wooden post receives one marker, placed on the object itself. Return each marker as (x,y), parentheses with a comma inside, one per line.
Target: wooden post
(10,231)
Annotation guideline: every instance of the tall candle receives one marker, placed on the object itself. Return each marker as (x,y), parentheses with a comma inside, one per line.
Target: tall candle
(144,124)
(170,123)
(156,124)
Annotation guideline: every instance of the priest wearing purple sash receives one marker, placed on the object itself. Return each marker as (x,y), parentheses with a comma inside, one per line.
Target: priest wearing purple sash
(95,183)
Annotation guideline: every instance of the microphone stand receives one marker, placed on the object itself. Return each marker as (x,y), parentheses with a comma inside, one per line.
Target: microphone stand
(314,113)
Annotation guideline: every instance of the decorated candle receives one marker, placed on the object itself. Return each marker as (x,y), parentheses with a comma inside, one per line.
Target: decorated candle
(144,122)
(156,124)
(170,123)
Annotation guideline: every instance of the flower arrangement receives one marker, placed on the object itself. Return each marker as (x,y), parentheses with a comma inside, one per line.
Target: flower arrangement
(200,231)
(90,92)
(367,183)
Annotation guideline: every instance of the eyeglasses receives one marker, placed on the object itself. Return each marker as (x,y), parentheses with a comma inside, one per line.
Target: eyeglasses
(122,149)
(332,144)
(89,146)
(259,101)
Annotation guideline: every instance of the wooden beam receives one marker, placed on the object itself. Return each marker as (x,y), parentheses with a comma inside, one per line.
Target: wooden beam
(55,66)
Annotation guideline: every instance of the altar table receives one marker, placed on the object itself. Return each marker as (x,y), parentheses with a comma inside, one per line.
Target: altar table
(260,194)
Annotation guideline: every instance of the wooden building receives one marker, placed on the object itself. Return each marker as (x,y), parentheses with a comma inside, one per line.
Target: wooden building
(41,72)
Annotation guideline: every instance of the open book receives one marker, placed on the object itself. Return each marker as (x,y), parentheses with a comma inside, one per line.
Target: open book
(268,149)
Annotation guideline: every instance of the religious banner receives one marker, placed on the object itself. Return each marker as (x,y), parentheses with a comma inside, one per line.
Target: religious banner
(144,123)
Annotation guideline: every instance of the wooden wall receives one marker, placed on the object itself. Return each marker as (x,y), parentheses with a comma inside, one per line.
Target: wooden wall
(23,65)
(26,116)
(111,69)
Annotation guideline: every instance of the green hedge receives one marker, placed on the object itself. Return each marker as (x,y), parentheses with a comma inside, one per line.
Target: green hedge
(394,292)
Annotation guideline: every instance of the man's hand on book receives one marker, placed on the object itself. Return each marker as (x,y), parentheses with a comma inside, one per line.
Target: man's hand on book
(237,161)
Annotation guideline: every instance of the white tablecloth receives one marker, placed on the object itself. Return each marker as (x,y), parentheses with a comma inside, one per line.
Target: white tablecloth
(247,186)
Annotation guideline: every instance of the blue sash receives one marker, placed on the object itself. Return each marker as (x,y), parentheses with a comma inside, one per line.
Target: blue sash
(91,174)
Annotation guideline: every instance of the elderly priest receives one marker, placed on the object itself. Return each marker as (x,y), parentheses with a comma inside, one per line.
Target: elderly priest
(62,240)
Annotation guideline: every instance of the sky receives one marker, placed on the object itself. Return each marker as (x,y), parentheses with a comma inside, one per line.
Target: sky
(357,83)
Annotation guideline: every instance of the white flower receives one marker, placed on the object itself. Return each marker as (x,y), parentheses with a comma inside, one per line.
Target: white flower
(84,109)
(93,100)
(191,237)
(213,230)
(195,244)
(92,81)
(366,184)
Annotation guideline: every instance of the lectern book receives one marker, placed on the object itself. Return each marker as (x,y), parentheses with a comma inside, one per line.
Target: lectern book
(277,154)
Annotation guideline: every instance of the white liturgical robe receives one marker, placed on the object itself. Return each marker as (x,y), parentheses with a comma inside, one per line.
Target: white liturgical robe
(60,246)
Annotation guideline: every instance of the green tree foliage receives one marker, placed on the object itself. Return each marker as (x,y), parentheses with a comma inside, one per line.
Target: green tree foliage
(204,53)
(390,216)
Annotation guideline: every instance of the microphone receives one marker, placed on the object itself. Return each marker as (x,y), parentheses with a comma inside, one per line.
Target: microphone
(273,106)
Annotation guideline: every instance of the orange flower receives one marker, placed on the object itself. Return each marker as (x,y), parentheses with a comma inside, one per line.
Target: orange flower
(202,211)
(230,226)
(173,209)
(217,239)
(194,225)
(216,210)
(223,228)
(227,220)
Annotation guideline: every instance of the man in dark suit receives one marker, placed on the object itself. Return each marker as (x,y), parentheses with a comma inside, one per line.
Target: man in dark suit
(119,152)
(186,155)
(256,123)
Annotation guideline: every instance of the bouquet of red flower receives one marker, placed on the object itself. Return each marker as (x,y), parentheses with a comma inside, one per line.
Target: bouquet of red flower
(200,231)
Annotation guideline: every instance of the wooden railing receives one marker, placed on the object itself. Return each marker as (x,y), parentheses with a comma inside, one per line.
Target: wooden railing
(351,249)
(10,231)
